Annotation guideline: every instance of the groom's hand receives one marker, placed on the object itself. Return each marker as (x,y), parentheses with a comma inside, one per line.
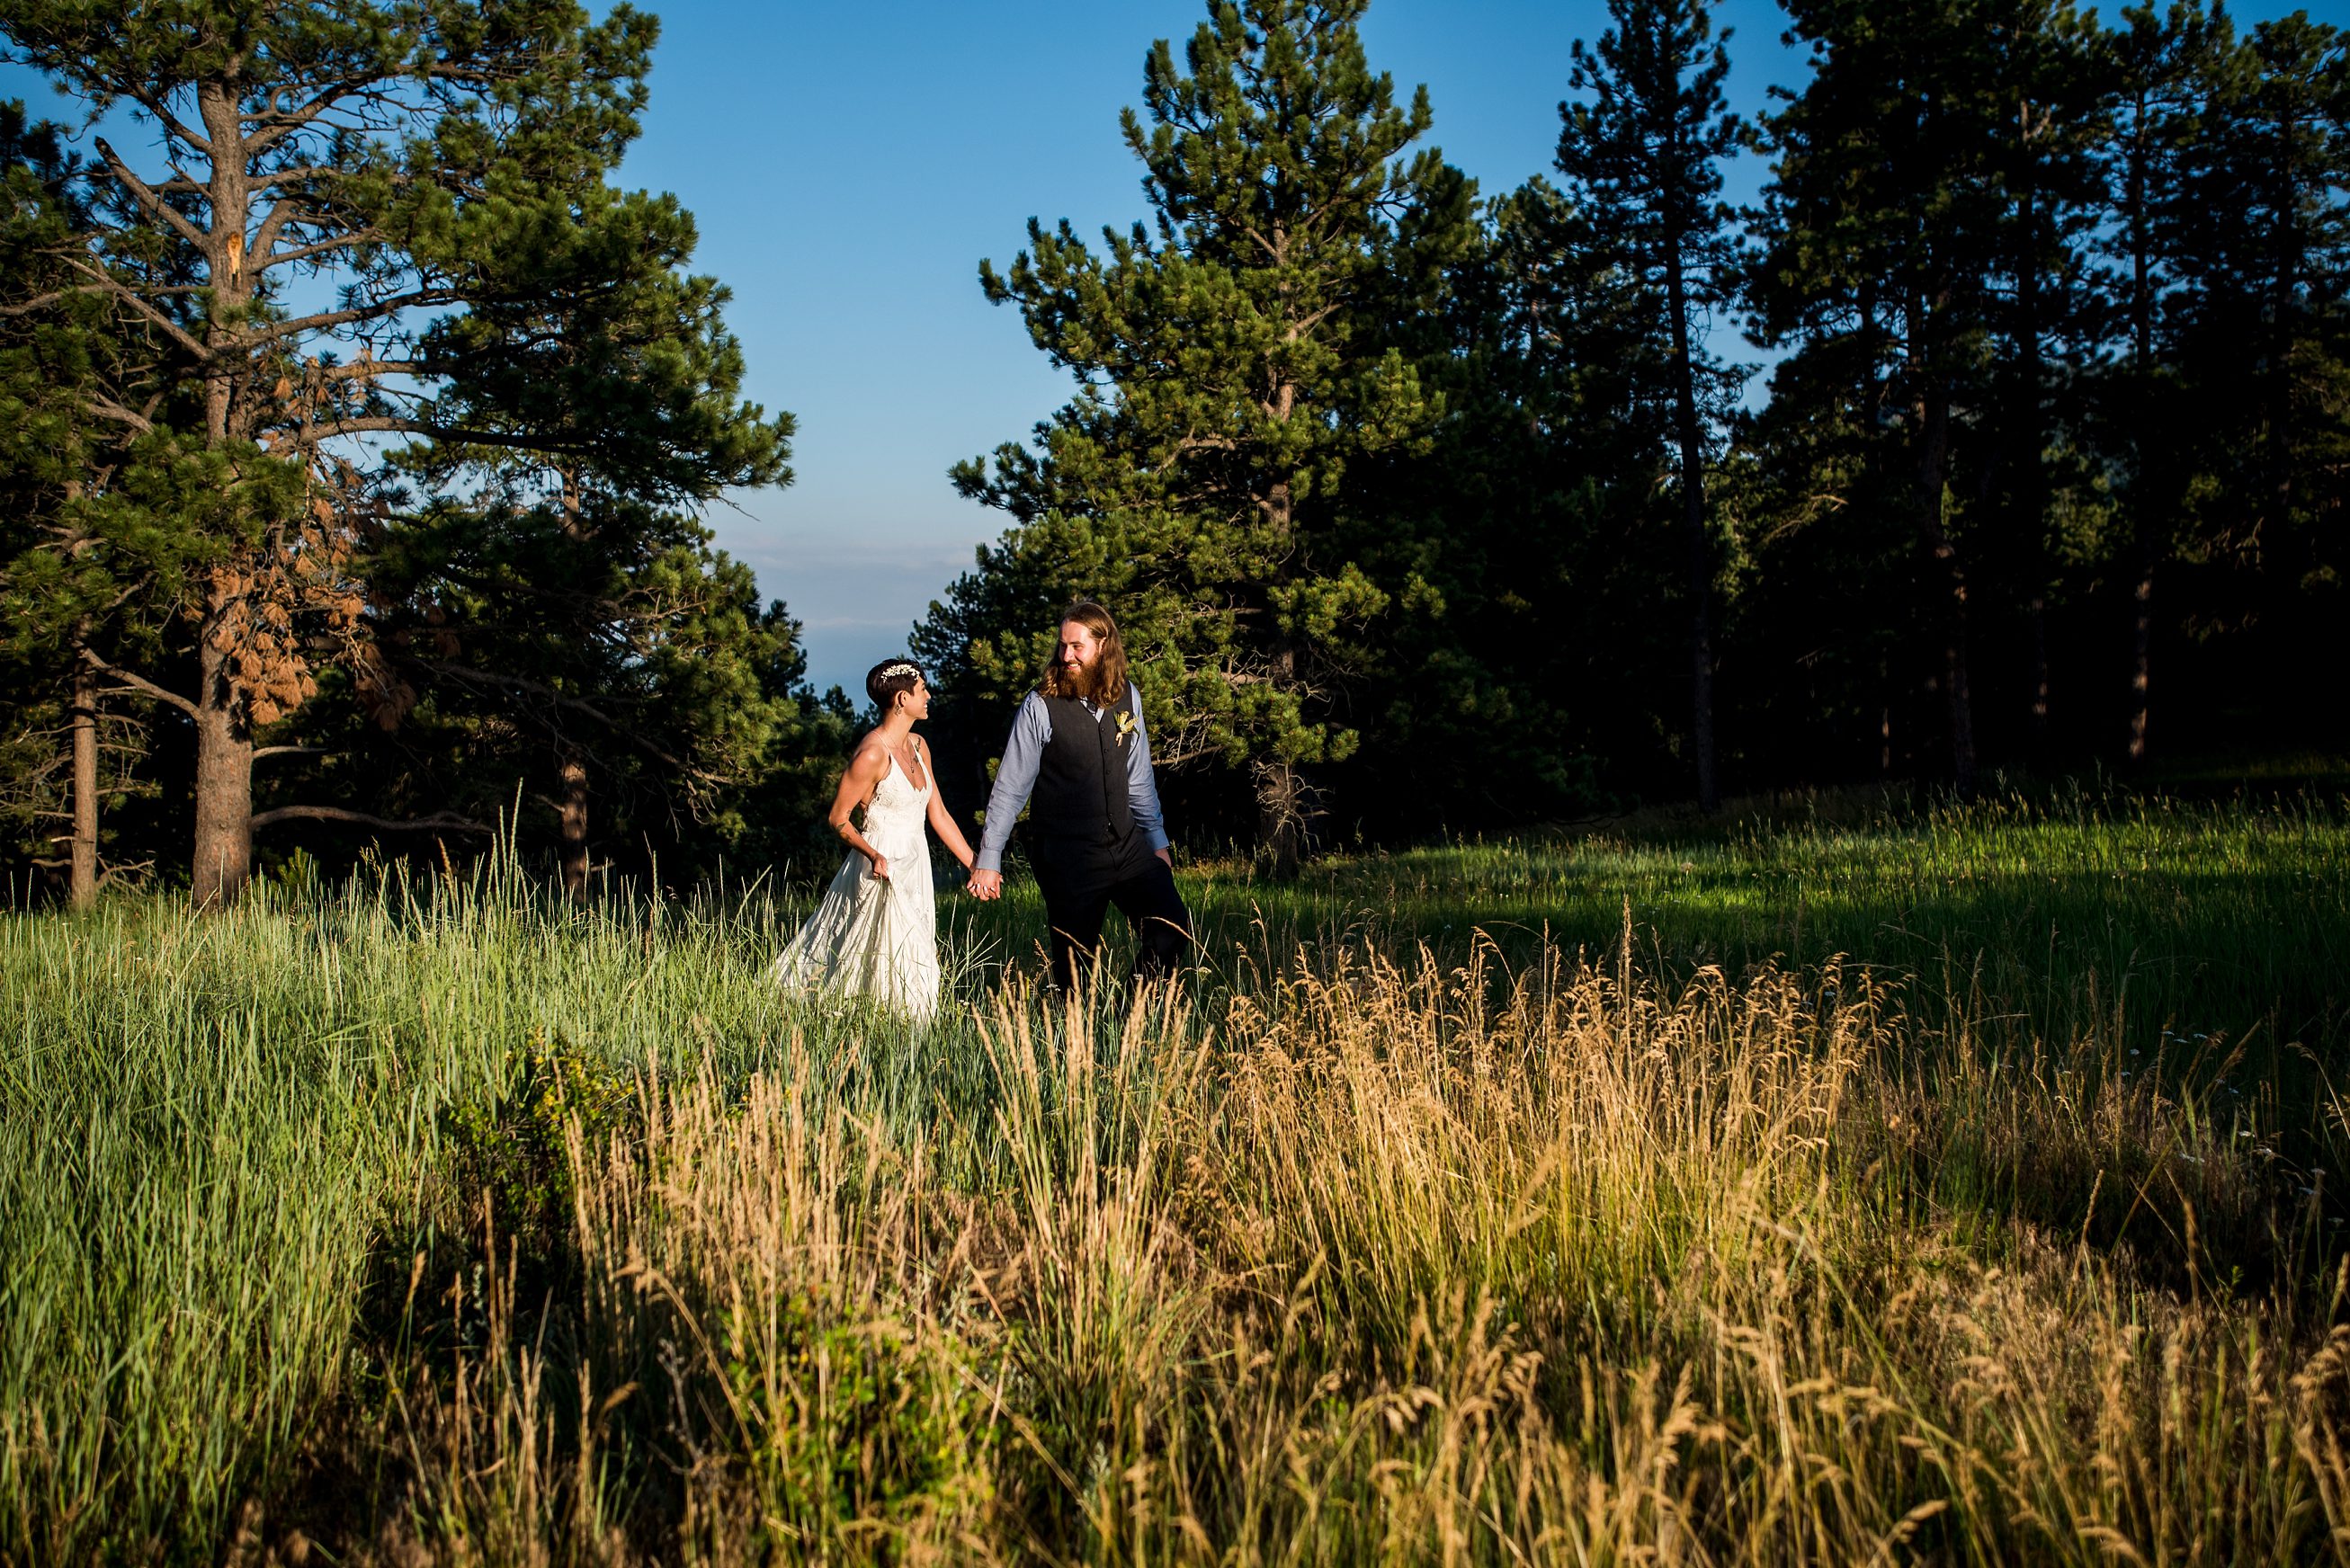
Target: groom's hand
(1166,855)
(986,885)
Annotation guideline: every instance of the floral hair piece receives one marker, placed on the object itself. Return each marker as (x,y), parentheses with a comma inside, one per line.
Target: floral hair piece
(895,670)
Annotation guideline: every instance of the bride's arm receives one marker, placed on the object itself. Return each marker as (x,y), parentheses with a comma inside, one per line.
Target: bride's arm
(864,772)
(942,822)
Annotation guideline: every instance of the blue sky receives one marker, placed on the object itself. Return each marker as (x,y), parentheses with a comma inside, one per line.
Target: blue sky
(850,166)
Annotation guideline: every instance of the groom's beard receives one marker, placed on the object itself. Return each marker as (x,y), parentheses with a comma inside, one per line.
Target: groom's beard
(1082,678)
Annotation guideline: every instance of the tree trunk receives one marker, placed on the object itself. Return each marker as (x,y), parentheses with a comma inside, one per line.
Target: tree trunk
(2141,650)
(573,829)
(2141,342)
(1280,787)
(1281,817)
(1884,718)
(1933,476)
(82,890)
(2036,617)
(2141,494)
(2034,498)
(224,847)
(1699,558)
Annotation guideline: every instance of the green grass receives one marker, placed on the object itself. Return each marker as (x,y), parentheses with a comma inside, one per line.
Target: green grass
(2121,917)
(444,1222)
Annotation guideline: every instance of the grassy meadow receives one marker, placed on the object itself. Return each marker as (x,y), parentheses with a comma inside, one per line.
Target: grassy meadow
(1853,1182)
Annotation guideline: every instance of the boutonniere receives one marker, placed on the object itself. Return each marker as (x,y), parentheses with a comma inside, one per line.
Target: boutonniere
(1125,725)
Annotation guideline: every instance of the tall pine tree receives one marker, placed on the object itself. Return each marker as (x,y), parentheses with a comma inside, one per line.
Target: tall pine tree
(338,190)
(1235,359)
(75,563)
(1883,241)
(1642,155)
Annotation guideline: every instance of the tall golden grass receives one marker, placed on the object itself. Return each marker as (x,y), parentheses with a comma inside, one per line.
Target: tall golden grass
(1383,1260)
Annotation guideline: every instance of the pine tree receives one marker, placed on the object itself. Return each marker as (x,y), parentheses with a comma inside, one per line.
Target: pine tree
(2152,63)
(2262,319)
(1883,237)
(64,591)
(569,596)
(1532,680)
(1642,156)
(339,192)
(604,661)
(1232,367)
(2043,55)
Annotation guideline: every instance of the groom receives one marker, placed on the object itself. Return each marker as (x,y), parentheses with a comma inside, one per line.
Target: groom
(1095,837)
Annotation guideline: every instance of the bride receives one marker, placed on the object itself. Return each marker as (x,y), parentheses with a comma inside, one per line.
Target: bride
(874,933)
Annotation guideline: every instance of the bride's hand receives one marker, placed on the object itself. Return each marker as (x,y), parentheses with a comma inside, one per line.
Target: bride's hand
(880,868)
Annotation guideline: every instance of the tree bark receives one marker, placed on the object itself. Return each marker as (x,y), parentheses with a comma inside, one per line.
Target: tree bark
(1281,795)
(223,838)
(2142,352)
(1884,720)
(2036,615)
(224,847)
(2034,488)
(1933,477)
(2141,649)
(574,828)
(82,888)
(1699,558)
(1281,817)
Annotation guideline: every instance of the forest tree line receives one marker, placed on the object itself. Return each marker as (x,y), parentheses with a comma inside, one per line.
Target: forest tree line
(355,445)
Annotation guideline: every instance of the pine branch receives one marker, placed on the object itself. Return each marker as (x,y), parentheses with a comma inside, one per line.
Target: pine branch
(394,424)
(549,694)
(442,822)
(106,282)
(158,105)
(390,305)
(272,258)
(139,683)
(149,200)
(276,128)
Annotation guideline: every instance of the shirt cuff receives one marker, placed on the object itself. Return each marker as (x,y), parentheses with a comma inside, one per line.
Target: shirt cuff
(987,859)
(1157,838)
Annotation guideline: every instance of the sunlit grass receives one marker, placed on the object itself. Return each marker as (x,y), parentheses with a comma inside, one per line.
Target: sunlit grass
(447,1222)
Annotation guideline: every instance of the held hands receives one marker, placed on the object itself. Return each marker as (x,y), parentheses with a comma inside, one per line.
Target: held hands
(987,885)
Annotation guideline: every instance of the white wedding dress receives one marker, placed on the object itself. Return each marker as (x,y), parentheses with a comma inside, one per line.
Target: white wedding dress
(872,938)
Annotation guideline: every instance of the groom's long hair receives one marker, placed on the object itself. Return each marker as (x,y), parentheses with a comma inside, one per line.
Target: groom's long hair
(1102,681)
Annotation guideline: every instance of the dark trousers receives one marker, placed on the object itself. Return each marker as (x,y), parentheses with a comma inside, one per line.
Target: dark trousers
(1078,898)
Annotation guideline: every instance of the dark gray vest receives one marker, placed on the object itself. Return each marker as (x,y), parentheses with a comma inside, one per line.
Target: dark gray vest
(1081,780)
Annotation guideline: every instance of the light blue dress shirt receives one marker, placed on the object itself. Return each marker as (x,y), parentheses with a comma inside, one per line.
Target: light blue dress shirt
(1015,776)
